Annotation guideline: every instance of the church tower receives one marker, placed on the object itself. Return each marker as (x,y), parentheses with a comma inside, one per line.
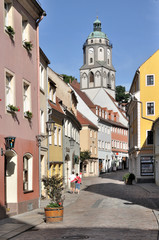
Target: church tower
(97,70)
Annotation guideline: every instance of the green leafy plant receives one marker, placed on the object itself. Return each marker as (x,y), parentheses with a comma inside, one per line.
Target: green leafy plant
(10,31)
(54,186)
(28,45)
(28,114)
(13,108)
(128,178)
(85,155)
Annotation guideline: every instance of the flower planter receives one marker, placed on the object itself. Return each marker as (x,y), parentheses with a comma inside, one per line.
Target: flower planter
(53,215)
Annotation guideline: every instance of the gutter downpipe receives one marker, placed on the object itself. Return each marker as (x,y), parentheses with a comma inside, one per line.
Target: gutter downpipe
(38,94)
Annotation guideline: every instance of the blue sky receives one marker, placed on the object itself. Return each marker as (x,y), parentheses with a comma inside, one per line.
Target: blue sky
(131,25)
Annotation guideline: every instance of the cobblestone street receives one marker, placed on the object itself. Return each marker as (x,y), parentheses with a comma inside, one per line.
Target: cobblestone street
(107,209)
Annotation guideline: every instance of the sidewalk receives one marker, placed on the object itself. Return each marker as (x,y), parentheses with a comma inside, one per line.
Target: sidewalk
(15,225)
(10,227)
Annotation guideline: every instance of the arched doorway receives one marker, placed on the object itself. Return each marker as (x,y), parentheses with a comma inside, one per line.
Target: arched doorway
(10,178)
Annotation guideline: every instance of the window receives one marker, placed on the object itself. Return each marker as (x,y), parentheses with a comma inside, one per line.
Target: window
(9,89)
(96,110)
(150,108)
(27,172)
(59,133)
(90,133)
(55,136)
(95,151)
(91,60)
(69,129)
(91,149)
(150,80)
(26,97)
(147,166)
(149,137)
(50,138)
(41,76)
(91,167)
(7,13)
(25,34)
(66,128)
(42,121)
(95,134)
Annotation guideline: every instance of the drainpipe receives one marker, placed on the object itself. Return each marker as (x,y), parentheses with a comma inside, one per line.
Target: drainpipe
(38,95)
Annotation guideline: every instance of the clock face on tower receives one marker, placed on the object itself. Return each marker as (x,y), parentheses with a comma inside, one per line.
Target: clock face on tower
(91,50)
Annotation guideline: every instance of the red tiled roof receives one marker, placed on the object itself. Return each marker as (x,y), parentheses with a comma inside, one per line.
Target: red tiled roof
(84,121)
(121,111)
(75,84)
(84,97)
(56,106)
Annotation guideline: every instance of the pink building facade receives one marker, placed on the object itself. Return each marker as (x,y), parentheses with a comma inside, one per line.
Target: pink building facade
(19,105)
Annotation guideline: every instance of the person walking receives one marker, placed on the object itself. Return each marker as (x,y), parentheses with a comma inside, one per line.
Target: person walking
(77,183)
(72,182)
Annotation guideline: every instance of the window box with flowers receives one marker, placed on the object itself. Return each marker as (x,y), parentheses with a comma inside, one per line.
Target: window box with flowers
(10,31)
(28,45)
(12,108)
(28,114)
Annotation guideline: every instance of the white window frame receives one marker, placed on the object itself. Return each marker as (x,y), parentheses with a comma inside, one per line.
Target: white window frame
(147,111)
(42,121)
(66,128)
(28,169)
(41,76)
(153,80)
(55,135)
(59,136)
(10,88)
(8,13)
(26,96)
(96,110)
(25,29)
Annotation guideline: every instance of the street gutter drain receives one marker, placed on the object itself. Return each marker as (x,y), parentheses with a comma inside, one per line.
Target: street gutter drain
(76,237)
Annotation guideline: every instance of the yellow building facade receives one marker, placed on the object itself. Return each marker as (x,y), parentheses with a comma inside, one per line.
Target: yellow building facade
(143,110)
(55,158)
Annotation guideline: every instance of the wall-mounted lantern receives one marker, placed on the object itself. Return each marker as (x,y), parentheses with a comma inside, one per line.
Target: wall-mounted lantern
(72,142)
(9,144)
(50,127)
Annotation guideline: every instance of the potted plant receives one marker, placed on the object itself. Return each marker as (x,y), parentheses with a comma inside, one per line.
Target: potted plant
(13,108)
(54,186)
(128,178)
(28,45)
(10,31)
(28,114)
